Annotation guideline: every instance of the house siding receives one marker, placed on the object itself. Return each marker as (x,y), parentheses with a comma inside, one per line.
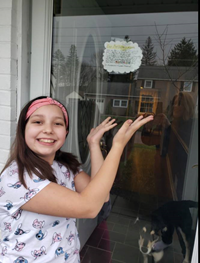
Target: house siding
(8,75)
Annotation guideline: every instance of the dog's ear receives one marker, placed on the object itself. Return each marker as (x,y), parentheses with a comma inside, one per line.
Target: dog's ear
(152,232)
(144,229)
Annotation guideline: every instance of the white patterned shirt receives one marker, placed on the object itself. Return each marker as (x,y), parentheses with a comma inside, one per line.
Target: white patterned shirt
(30,237)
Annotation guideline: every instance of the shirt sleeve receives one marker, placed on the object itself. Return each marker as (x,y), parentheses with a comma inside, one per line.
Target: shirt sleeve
(13,194)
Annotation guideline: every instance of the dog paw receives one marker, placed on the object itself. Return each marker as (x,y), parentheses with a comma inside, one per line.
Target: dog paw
(186,261)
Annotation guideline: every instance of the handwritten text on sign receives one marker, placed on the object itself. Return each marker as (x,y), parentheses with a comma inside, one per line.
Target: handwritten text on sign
(121,57)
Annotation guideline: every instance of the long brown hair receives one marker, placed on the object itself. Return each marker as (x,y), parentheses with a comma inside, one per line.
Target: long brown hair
(29,161)
(187,102)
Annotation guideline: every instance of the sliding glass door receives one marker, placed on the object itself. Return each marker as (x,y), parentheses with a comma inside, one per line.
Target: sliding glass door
(125,65)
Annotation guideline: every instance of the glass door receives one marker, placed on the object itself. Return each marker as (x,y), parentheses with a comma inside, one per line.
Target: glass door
(159,164)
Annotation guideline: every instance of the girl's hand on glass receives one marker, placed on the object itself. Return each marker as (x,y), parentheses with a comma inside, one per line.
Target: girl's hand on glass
(96,134)
(159,120)
(128,129)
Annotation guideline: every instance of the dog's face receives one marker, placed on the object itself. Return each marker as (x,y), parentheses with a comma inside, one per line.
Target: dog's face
(147,240)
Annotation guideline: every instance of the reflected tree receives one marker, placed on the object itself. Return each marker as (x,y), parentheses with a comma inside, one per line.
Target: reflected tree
(58,70)
(71,65)
(149,56)
(91,72)
(64,69)
(179,56)
(183,54)
(87,76)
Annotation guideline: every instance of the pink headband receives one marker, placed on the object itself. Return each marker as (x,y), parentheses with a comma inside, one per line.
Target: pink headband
(46,101)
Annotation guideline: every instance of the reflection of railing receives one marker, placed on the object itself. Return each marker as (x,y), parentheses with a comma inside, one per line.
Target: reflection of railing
(177,159)
(172,183)
(185,147)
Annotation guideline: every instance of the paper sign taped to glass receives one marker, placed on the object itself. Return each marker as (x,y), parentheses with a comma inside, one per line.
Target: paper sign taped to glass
(122,57)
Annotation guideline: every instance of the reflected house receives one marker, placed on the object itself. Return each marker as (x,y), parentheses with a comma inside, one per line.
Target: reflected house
(73,96)
(113,100)
(162,83)
(151,90)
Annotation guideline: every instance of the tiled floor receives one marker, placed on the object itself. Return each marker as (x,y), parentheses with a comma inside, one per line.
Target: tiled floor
(116,239)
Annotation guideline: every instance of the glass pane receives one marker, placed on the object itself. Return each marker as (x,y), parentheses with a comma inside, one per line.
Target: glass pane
(116,103)
(124,103)
(158,168)
(187,86)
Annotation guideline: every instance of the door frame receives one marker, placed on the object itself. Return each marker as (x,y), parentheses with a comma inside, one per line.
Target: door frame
(41,45)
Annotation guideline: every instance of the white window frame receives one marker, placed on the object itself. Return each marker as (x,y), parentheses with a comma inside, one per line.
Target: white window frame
(120,103)
(146,86)
(41,35)
(187,86)
(114,101)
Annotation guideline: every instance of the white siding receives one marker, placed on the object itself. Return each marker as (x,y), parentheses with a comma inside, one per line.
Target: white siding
(14,68)
(8,75)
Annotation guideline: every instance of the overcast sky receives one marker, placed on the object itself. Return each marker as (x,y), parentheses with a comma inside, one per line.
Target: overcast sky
(76,30)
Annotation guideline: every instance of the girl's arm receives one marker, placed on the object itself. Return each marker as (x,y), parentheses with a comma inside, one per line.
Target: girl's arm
(93,140)
(57,200)
(96,157)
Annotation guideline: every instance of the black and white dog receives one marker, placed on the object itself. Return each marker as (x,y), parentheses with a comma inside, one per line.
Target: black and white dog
(170,216)
(146,242)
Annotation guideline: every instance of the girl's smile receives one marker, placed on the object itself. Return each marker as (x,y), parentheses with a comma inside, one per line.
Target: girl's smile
(45,131)
(46,141)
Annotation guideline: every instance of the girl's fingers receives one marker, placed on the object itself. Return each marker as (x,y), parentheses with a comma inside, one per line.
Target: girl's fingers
(126,125)
(128,129)
(106,120)
(139,118)
(106,123)
(110,127)
(147,119)
(109,123)
(97,133)
(105,128)
(140,121)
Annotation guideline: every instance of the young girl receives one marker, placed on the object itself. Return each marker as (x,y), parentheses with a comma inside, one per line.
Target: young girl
(43,190)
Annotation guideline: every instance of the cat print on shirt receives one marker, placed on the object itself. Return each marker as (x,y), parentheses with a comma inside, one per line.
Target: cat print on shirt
(2,192)
(30,194)
(38,253)
(38,224)
(56,238)
(15,185)
(19,246)
(20,231)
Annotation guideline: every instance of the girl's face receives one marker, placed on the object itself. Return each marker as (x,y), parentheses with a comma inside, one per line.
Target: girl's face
(45,132)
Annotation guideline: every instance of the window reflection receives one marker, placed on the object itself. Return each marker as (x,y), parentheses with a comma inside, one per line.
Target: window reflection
(155,167)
